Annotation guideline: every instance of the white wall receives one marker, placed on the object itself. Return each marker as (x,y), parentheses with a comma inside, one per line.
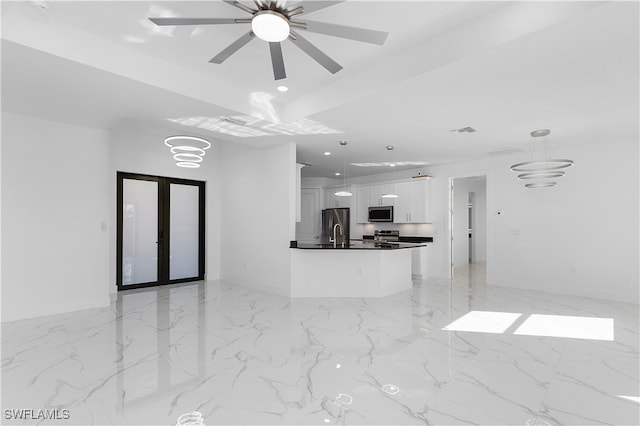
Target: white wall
(54,205)
(587,224)
(258,215)
(59,214)
(138,148)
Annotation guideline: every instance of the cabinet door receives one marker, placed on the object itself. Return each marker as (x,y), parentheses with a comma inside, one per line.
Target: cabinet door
(330,200)
(345,201)
(298,191)
(411,204)
(308,229)
(419,208)
(375,195)
(402,209)
(362,204)
(334,201)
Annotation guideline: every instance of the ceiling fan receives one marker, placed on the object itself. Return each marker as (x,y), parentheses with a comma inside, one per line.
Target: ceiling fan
(271,21)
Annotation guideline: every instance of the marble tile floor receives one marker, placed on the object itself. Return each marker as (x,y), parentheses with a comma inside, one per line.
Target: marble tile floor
(240,356)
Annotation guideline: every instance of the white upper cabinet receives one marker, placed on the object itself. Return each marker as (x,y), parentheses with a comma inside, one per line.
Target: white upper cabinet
(411,204)
(333,201)
(375,195)
(409,207)
(362,204)
(402,208)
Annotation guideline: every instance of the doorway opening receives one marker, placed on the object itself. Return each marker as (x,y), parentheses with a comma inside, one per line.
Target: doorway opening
(160,230)
(468,227)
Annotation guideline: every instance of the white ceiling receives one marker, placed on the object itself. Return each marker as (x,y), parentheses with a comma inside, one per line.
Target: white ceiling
(503,68)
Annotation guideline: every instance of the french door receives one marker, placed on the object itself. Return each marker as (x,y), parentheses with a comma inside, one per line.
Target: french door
(160,228)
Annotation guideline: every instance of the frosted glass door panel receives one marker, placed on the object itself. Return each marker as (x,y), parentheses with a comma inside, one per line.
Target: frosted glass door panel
(139,231)
(183,237)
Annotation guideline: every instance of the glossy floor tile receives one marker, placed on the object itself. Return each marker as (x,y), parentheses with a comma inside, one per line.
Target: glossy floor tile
(242,356)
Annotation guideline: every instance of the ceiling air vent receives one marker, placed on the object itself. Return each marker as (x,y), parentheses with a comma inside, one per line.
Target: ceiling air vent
(235,121)
(463,130)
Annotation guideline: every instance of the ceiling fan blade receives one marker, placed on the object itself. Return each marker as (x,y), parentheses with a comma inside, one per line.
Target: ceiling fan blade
(311,6)
(232,48)
(192,21)
(344,31)
(319,56)
(241,6)
(277,61)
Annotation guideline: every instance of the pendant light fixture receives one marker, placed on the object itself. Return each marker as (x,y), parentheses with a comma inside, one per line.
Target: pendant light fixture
(343,192)
(541,166)
(391,194)
(187,150)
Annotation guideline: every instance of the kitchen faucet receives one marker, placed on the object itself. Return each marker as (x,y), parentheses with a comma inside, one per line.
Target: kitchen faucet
(334,240)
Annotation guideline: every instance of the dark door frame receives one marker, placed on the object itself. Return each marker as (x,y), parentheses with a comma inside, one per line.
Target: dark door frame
(164,223)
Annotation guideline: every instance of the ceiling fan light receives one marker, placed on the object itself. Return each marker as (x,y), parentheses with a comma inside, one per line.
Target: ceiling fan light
(270,26)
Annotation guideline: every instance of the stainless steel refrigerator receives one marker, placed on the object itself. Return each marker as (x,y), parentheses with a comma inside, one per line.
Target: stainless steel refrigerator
(333,222)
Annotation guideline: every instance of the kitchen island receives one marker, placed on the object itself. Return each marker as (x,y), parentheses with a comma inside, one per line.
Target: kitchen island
(357,269)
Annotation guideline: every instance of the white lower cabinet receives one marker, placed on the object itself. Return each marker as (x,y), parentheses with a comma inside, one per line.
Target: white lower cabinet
(419,263)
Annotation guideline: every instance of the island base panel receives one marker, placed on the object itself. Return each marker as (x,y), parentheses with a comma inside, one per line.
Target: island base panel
(346,273)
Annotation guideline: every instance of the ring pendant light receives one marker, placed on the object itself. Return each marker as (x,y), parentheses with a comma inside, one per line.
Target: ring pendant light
(541,164)
(187,150)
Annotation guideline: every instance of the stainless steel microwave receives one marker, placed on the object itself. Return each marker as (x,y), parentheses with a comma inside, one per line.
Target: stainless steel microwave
(381,214)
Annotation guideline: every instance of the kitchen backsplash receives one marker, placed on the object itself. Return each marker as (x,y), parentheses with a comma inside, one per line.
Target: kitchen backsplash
(406,229)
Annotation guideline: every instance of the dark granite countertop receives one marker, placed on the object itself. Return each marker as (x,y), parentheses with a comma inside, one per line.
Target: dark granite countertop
(360,245)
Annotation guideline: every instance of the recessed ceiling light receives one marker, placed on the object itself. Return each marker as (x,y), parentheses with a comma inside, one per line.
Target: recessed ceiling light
(390,147)
(282,88)
(343,142)
(392,165)
(327,153)
(337,173)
